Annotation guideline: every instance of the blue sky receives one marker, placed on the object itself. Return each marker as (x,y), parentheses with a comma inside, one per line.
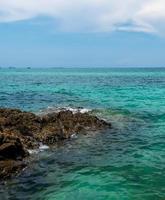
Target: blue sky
(69,35)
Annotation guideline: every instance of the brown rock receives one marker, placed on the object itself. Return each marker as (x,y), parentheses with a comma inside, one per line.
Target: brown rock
(11,155)
(20,131)
(10,167)
(11,148)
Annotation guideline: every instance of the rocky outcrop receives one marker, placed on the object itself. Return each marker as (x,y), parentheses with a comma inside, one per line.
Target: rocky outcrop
(23,125)
(11,148)
(60,126)
(20,131)
(12,153)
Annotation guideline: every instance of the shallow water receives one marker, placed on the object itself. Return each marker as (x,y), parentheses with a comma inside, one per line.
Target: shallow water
(126,162)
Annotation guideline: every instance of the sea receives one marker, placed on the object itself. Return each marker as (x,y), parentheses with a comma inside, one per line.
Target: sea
(126,162)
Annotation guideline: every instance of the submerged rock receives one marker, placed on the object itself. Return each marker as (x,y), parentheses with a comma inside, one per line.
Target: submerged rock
(20,131)
(10,167)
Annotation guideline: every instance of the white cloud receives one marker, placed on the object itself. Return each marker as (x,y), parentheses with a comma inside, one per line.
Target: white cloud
(91,15)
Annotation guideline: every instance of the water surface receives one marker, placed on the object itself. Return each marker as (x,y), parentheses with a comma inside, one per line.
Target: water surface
(125,163)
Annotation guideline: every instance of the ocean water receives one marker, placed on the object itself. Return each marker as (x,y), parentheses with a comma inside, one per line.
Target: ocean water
(124,163)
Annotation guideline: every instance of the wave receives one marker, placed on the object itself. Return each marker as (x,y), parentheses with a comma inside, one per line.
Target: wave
(58,109)
(42,147)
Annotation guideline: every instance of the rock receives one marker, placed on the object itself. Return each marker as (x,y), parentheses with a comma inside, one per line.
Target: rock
(11,148)
(10,167)
(23,125)
(20,131)
(60,126)
(11,155)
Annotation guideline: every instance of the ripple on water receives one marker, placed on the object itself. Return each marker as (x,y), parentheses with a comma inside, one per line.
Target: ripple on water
(113,164)
(125,163)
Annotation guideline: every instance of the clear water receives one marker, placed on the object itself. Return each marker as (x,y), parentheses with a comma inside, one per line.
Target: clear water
(125,163)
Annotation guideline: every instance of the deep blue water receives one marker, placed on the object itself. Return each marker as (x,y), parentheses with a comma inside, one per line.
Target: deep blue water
(125,163)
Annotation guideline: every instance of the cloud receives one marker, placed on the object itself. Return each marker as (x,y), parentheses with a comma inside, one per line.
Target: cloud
(90,15)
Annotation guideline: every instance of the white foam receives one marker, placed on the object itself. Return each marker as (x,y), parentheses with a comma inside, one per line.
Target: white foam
(74,135)
(76,110)
(84,110)
(33,151)
(57,110)
(43,147)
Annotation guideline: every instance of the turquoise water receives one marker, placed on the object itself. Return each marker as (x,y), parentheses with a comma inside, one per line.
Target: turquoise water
(125,163)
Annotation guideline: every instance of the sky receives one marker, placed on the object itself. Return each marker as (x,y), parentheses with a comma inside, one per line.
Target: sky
(82,33)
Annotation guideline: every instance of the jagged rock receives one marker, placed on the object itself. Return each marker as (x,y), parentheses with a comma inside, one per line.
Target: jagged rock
(11,155)
(11,148)
(20,131)
(10,167)
(59,126)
